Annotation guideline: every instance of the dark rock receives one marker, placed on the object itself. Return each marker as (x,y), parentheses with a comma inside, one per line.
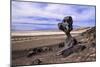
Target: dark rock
(79,42)
(35,49)
(67,52)
(78,48)
(71,50)
(61,45)
(49,49)
(36,62)
(39,50)
(74,41)
(67,24)
(46,49)
(93,45)
(31,53)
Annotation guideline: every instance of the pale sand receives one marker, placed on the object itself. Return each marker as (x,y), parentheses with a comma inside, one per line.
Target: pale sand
(22,41)
(37,33)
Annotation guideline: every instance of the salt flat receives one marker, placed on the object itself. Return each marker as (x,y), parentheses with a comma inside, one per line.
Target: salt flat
(37,33)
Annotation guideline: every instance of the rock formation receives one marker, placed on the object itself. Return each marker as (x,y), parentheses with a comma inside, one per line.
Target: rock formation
(67,26)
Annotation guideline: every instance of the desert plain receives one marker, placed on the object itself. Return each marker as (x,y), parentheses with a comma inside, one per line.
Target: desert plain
(47,44)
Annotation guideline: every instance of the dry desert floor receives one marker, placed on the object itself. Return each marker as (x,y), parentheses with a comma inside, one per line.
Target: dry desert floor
(47,43)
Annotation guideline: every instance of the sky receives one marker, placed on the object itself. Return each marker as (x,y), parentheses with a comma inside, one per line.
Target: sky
(46,16)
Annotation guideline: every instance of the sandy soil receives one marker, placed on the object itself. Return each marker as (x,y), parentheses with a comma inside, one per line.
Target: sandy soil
(45,32)
(23,43)
(27,40)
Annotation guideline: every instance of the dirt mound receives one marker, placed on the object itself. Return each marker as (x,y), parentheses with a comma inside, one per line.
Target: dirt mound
(92,30)
(91,33)
(88,39)
(90,36)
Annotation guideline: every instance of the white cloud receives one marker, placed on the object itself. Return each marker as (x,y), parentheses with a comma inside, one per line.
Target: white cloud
(25,9)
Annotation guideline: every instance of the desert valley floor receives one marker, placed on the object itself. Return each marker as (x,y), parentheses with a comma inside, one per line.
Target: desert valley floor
(47,44)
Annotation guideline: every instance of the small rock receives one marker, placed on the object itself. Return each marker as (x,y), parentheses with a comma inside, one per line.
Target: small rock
(36,62)
(61,45)
(93,45)
(46,49)
(31,53)
(39,50)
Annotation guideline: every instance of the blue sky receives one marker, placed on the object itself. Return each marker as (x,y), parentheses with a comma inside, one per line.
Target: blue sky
(46,16)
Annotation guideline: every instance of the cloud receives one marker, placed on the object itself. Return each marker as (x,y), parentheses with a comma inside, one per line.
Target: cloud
(45,13)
